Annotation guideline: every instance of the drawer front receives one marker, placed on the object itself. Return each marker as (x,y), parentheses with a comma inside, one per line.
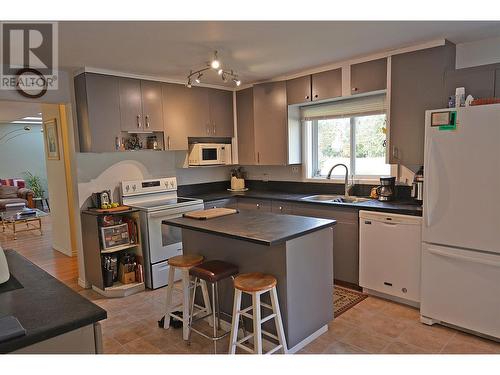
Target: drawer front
(341,214)
(461,287)
(228,203)
(254,204)
(280,207)
(159,275)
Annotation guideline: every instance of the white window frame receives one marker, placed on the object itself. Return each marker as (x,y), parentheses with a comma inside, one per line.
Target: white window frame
(312,156)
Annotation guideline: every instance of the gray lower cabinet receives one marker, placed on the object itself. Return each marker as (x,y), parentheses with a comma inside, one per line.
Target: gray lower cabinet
(345,238)
(369,76)
(417,84)
(97,111)
(254,204)
(226,203)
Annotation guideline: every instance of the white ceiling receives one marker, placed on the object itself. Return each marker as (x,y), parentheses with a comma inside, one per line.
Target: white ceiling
(12,111)
(256,50)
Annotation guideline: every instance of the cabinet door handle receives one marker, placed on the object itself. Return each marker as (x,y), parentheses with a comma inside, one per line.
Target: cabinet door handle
(215,127)
(138,121)
(258,157)
(315,96)
(307,96)
(168,142)
(208,129)
(147,121)
(281,208)
(258,205)
(354,89)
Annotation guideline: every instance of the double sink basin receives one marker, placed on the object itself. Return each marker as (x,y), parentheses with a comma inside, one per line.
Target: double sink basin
(327,198)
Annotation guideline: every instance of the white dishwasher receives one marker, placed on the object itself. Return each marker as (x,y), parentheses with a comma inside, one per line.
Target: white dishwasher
(389,255)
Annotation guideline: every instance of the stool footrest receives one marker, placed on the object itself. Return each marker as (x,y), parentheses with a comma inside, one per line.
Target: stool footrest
(245,338)
(270,335)
(210,337)
(267,318)
(244,347)
(274,349)
(266,305)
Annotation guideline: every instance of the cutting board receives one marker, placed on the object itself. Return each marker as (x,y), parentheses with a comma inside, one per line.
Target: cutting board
(210,213)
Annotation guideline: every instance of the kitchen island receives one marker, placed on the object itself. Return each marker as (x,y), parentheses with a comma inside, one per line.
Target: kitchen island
(297,250)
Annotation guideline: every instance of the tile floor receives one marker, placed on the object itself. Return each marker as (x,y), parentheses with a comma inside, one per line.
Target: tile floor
(372,326)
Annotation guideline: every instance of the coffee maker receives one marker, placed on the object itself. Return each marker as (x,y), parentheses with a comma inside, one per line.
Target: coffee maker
(387,189)
(417,187)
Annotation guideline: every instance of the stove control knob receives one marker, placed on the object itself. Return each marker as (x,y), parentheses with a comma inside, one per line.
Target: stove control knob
(172,184)
(127,188)
(134,187)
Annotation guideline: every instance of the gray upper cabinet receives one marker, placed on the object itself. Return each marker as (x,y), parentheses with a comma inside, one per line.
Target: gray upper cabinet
(186,113)
(298,90)
(140,105)
(478,81)
(369,76)
(98,112)
(131,104)
(221,113)
(270,123)
(152,108)
(327,85)
(246,134)
(417,84)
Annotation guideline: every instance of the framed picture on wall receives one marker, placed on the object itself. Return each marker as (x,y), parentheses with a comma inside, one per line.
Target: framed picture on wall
(51,139)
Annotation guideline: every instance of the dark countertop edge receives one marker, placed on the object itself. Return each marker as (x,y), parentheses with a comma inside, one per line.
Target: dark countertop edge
(27,340)
(254,240)
(210,197)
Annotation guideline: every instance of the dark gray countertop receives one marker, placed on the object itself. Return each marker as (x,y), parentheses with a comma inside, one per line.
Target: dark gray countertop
(255,226)
(44,306)
(397,207)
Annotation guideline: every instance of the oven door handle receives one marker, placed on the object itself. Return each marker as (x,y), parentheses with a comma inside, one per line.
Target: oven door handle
(156,215)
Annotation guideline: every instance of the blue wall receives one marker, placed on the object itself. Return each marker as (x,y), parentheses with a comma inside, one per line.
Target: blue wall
(22,151)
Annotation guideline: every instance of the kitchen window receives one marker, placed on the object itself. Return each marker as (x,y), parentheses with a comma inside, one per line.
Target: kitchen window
(351,132)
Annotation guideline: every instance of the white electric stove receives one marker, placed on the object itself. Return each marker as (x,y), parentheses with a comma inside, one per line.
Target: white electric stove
(157,200)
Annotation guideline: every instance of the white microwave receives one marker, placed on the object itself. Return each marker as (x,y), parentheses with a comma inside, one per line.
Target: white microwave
(209,154)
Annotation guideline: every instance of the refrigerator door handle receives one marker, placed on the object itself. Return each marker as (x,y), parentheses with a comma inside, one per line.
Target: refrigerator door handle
(427,171)
(462,257)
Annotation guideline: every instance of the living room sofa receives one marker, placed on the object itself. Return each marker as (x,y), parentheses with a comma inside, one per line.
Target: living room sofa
(14,194)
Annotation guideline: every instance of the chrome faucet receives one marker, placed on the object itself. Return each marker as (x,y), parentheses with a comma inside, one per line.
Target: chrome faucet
(347,187)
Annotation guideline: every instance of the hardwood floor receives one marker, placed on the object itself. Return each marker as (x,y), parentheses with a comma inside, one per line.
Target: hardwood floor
(38,249)
(372,326)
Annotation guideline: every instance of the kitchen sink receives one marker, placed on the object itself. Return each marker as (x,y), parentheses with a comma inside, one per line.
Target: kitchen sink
(334,198)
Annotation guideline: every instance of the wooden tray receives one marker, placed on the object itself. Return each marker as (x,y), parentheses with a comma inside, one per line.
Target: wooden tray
(210,213)
(110,210)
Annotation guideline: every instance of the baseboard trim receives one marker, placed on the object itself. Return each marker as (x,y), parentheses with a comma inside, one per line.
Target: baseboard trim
(84,284)
(403,301)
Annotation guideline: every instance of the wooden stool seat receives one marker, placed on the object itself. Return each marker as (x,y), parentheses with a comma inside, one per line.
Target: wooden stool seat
(185,261)
(254,282)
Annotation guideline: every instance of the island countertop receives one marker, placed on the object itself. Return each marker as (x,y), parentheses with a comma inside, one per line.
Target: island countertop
(43,305)
(254,226)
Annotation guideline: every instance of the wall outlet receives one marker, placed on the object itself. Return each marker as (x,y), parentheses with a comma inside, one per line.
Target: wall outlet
(295,169)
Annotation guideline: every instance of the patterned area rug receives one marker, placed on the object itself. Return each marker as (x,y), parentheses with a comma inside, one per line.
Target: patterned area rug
(344,299)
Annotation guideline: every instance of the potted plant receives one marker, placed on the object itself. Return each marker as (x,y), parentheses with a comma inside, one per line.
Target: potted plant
(35,184)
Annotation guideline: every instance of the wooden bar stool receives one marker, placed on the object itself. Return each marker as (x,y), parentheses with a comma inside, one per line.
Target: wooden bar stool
(212,272)
(256,284)
(183,263)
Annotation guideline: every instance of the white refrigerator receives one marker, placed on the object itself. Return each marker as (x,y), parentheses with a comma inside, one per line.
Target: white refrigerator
(460,282)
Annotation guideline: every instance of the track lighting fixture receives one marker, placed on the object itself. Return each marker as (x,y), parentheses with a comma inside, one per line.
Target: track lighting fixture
(217,66)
